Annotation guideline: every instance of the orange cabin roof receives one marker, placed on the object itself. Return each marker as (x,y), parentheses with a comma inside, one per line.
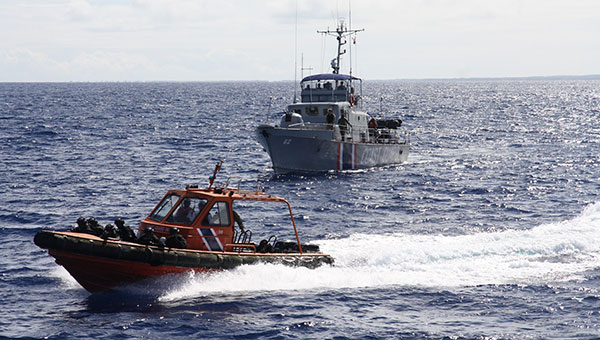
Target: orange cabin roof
(236,194)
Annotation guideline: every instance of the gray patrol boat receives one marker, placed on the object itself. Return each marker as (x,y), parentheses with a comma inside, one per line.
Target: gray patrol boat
(328,130)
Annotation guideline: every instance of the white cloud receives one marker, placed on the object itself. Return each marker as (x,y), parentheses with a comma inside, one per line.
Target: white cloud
(210,40)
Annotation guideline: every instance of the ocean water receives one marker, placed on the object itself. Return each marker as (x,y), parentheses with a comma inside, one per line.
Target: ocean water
(491,230)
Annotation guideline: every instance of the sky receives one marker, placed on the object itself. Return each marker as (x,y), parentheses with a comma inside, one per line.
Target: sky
(213,40)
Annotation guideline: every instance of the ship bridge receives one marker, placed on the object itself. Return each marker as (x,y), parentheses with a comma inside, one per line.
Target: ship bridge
(330,87)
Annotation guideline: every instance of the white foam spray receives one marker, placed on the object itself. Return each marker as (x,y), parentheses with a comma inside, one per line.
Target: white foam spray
(552,252)
(67,280)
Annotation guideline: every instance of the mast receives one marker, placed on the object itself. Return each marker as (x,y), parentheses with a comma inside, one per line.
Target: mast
(296,56)
(340,33)
(350,27)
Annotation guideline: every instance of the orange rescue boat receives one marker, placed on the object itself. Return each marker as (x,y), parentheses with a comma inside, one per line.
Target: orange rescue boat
(206,220)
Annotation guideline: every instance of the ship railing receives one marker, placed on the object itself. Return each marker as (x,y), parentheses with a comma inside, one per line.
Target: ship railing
(373,136)
(359,134)
(326,93)
(242,242)
(389,136)
(311,126)
(244,236)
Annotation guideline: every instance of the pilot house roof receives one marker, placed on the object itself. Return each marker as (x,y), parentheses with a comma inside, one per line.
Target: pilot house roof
(329,76)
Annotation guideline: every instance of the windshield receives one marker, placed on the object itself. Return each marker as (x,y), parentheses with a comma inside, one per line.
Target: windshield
(187,211)
(164,207)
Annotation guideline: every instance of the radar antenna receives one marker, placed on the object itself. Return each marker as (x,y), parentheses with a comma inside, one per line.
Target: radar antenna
(340,33)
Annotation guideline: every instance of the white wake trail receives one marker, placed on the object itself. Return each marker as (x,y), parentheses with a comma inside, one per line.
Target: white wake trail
(552,252)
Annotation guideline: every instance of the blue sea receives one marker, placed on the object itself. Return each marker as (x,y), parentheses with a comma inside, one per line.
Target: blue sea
(491,230)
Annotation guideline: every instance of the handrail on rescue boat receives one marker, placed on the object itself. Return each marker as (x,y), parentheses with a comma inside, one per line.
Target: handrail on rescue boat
(294,224)
(250,196)
(260,196)
(239,246)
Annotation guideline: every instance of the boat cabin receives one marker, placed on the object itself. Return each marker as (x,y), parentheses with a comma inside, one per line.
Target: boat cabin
(314,116)
(330,87)
(207,221)
(324,95)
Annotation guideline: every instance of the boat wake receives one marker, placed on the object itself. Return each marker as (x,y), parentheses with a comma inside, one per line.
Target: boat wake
(547,253)
(555,252)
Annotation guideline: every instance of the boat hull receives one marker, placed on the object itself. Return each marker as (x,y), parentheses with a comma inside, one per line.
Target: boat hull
(97,274)
(301,150)
(99,264)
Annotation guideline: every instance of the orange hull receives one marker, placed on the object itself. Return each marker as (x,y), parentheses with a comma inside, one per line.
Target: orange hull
(100,274)
(99,264)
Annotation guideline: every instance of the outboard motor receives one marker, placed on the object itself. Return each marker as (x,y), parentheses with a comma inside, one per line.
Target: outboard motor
(291,118)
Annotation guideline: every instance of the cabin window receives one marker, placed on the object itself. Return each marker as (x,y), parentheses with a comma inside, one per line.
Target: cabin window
(164,207)
(312,110)
(218,215)
(187,211)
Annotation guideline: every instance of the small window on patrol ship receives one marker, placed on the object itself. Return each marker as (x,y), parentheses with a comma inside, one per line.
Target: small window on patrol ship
(312,110)
(218,215)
